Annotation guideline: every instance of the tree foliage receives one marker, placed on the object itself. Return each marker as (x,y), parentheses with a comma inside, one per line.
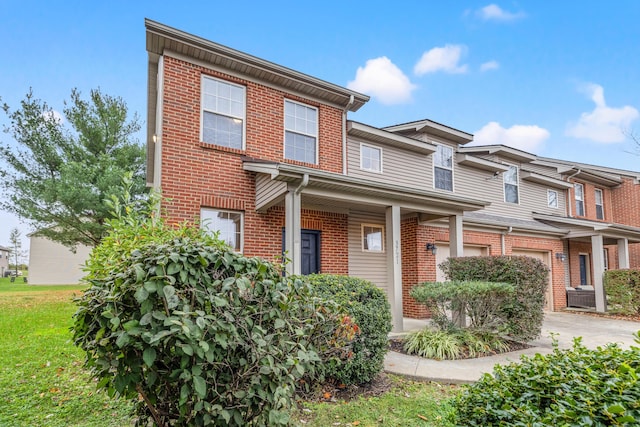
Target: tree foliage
(57,172)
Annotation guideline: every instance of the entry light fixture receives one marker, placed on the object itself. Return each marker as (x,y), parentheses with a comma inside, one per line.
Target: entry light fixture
(432,247)
(560,256)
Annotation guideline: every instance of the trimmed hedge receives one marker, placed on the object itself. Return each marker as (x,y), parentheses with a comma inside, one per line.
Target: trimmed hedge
(368,307)
(623,291)
(524,312)
(574,387)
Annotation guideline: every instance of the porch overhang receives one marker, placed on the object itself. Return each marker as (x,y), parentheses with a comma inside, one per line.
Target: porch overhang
(349,189)
(584,229)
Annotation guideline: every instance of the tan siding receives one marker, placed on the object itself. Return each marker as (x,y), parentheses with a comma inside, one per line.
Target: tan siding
(401,167)
(367,265)
(51,263)
(267,190)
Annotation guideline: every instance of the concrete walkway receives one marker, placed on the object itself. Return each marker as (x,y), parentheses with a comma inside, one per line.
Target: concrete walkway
(595,331)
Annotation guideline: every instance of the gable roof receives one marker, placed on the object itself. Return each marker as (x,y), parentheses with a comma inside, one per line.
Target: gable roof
(429,127)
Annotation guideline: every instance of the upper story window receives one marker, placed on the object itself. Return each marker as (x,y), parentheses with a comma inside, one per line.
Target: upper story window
(578,190)
(511,191)
(372,238)
(443,168)
(599,204)
(370,158)
(228,224)
(300,132)
(223,113)
(552,198)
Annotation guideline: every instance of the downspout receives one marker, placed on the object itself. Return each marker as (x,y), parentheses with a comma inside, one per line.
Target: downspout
(503,244)
(569,192)
(303,183)
(344,134)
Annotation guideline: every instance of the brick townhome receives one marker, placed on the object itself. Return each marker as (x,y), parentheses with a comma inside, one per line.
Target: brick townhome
(267,156)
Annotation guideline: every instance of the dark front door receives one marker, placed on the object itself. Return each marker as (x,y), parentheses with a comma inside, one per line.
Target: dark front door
(583,270)
(310,250)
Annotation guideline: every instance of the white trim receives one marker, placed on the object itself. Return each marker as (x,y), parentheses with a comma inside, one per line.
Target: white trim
(575,199)
(204,76)
(557,201)
(504,183)
(433,163)
(362,144)
(284,126)
(595,193)
(382,237)
(241,213)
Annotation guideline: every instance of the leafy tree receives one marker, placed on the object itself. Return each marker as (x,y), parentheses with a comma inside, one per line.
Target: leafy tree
(59,171)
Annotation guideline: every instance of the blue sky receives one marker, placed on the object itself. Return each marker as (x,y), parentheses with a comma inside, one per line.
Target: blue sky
(555,78)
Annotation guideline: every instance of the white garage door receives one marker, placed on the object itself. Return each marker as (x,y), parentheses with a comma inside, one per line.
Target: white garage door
(444,253)
(544,257)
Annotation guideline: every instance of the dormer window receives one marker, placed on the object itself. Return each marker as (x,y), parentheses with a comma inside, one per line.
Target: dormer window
(511,191)
(443,168)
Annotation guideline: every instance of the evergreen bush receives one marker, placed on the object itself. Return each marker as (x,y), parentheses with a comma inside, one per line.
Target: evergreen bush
(623,291)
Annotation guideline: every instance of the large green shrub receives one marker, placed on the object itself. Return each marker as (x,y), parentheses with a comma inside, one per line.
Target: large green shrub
(623,291)
(368,307)
(196,334)
(529,276)
(574,387)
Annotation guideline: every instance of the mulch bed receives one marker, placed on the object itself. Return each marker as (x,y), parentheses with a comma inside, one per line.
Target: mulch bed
(333,392)
(397,345)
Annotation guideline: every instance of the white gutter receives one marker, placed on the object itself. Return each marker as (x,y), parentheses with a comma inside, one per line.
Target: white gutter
(303,184)
(344,134)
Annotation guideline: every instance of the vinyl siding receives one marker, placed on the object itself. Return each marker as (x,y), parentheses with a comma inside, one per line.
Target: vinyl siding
(50,263)
(371,266)
(400,167)
(267,190)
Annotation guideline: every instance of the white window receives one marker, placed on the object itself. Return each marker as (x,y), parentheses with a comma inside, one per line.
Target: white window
(300,132)
(229,225)
(552,198)
(372,238)
(223,113)
(443,168)
(605,254)
(370,158)
(511,185)
(578,189)
(599,204)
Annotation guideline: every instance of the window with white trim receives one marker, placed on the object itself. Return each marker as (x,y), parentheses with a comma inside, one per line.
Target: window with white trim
(300,132)
(578,190)
(372,238)
(511,190)
(223,113)
(552,198)
(370,158)
(228,224)
(443,168)
(599,204)
(605,255)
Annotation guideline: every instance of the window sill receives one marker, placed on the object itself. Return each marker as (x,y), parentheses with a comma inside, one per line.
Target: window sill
(299,163)
(214,147)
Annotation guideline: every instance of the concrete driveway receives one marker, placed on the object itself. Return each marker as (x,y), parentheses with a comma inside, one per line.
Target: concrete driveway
(595,331)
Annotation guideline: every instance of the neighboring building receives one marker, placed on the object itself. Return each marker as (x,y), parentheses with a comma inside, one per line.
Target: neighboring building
(4,260)
(51,263)
(267,156)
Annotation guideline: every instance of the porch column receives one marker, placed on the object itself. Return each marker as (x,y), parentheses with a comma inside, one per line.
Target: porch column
(597,253)
(394,266)
(292,232)
(623,253)
(456,249)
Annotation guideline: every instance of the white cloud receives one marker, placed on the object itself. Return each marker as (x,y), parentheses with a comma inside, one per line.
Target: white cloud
(53,115)
(490,65)
(493,12)
(442,59)
(383,80)
(523,137)
(603,124)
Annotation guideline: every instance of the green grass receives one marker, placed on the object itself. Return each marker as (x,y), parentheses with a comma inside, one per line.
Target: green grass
(43,382)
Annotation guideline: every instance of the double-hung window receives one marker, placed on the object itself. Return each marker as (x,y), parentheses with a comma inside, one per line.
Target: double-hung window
(300,132)
(228,224)
(511,185)
(578,190)
(599,204)
(552,198)
(443,168)
(370,158)
(372,238)
(223,113)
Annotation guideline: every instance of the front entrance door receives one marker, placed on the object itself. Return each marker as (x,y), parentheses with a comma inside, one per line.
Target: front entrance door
(309,251)
(583,270)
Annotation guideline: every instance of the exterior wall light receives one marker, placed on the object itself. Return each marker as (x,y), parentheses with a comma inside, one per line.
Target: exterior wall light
(560,256)
(432,247)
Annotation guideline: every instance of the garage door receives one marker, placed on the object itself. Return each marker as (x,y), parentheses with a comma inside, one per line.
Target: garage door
(444,253)
(544,257)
